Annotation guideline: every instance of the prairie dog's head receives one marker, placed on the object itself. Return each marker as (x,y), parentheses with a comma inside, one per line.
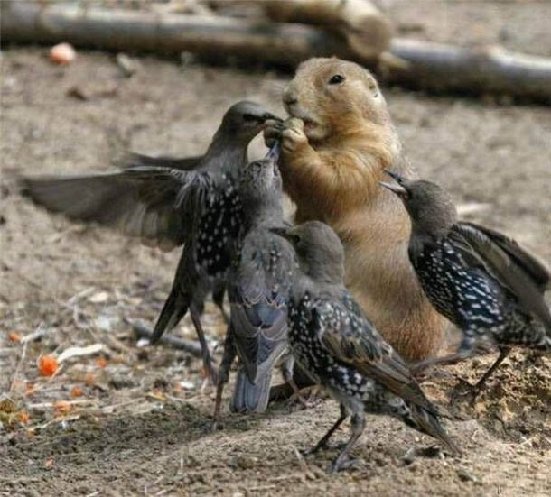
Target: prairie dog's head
(330,95)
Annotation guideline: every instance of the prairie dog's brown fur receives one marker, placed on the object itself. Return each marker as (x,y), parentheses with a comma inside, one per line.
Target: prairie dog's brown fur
(333,156)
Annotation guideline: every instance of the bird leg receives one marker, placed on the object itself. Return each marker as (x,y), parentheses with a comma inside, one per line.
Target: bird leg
(343,460)
(322,444)
(218,298)
(475,390)
(287,369)
(464,352)
(205,352)
(223,376)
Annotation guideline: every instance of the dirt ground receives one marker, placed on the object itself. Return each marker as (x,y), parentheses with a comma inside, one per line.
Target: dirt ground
(133,419)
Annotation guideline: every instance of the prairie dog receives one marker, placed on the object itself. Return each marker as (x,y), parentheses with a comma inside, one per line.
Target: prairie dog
(334,150)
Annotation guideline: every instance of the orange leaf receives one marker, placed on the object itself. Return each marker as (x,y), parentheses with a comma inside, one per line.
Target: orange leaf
(101,362)
(23,417)
(14,337)
(62,407)
(47,365)
(76,391)
(90,379)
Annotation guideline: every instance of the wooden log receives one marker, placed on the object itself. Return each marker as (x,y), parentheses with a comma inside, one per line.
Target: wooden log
(209,36)
(487,70)
(430,66)
(366,29)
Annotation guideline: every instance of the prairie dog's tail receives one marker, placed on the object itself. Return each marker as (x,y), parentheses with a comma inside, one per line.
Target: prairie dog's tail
(248,396)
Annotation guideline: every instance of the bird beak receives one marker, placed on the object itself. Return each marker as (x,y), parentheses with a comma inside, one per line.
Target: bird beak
(397,189)
(393,175)
(270,117)
(273,153)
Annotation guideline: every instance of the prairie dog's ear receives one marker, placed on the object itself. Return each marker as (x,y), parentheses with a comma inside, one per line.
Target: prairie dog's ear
(371,83)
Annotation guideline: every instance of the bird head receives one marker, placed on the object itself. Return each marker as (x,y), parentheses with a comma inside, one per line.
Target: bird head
(245,119)
(429,206)
(318,249)
(260,179)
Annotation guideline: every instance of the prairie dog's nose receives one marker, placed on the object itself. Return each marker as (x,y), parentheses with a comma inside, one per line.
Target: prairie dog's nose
(290,96)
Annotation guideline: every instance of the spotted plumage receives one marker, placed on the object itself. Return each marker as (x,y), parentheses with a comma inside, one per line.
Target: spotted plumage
(482,281)
(258,284)
(340,348)
(170,202)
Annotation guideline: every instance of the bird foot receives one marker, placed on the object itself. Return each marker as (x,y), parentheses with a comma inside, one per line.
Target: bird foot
(465,390)
(216,425)
(322,446)
(305,403)
(341,463)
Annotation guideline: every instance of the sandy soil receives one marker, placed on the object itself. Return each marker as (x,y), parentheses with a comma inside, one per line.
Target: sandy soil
(137,418)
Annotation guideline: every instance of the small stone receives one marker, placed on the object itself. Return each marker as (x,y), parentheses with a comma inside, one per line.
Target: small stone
(246,462)
(464,475)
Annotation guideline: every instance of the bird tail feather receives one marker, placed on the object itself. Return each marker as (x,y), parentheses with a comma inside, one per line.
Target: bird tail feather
(173,311)
(249,396)
(427,422)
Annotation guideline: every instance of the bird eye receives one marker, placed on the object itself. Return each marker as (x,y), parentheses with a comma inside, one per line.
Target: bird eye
(250,118)
(337,79)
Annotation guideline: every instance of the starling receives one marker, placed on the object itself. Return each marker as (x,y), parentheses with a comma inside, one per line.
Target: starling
(258,284)
(482,281)
(341,350)
(170,202)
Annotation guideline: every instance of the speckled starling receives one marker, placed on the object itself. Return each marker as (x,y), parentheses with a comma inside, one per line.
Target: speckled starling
(479,279)
(339,347)
(169,202)
(258,286)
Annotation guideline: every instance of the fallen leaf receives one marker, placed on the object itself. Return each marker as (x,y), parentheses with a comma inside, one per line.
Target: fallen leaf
(47,365)
(101,362)
(90,379)
(62,407)
(156,395)
(7,405)
(76,392)
(29,389)
(99,297)
(14,337)
(23,417)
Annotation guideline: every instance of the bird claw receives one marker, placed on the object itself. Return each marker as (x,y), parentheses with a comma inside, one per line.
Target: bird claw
(467,390)
(340,464)
(216,425)
(323,446)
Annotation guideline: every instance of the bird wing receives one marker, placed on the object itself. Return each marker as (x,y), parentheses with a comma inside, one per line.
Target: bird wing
(349,336)
(146,202)
(258,303)
(525,276)
(134,159)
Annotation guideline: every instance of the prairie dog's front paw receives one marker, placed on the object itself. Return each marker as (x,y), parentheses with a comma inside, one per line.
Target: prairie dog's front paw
(293,136)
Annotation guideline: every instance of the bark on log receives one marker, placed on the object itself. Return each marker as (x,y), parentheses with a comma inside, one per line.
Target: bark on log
(210,36)
(489,70)
(430,66)
(364,27)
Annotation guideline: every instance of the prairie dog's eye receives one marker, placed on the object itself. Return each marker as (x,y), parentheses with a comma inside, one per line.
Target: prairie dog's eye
(250,117)
(336,79)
